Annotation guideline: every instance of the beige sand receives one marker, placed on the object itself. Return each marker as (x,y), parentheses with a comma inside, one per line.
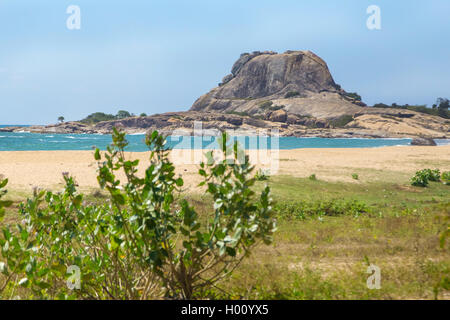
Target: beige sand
(28,169)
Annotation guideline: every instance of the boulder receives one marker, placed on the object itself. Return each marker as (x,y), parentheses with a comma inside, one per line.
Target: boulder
(278,116)
(421,141)
(268,76)
(262,74)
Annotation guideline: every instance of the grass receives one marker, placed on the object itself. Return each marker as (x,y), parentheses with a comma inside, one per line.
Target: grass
(325,256)
(318,256)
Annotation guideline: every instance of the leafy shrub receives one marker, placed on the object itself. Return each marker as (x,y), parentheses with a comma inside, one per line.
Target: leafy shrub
(446,178)
(434,175)
(422,177)
(140,243)
(355,176)
(312,177)
(292,94)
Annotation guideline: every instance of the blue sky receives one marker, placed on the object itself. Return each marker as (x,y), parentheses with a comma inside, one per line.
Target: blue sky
(158,56)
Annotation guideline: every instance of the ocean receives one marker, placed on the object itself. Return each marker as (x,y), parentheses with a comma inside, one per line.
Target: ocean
(24,141)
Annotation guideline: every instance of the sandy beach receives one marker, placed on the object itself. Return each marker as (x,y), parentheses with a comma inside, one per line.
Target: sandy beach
(28,169)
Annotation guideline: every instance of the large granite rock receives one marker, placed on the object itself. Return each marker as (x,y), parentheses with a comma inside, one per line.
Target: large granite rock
(298,79)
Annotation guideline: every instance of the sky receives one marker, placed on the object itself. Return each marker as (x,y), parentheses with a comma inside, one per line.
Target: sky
(159,56)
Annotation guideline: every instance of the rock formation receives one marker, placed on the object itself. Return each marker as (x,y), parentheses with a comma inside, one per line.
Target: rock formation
(292,92)
(297,81)
(423,142)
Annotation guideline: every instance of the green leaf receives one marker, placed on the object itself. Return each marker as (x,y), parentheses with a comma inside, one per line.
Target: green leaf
(3,183)
(97,155)
(179,182)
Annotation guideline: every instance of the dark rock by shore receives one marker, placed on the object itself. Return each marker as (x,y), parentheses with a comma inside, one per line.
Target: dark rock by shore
(423,142)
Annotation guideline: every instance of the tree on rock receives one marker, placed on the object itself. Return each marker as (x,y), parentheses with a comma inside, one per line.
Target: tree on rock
(122,114)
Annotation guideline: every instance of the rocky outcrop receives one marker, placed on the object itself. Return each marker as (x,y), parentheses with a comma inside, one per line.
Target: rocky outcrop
(423,142)
(286,124)
(299,80)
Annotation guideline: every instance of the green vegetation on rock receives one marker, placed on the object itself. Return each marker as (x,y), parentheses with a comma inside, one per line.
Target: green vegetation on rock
(440,108)
(100,116)
(341,121)
(292,94)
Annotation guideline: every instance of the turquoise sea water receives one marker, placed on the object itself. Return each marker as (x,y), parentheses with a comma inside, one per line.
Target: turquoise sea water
(24,141)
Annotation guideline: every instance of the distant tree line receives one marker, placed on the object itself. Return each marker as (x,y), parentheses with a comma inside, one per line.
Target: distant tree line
(440,108)
(100,116)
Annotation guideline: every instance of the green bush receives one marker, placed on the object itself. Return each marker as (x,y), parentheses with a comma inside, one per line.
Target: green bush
(422,177)
(292,94)
(141,242)
(97,117)
(355,176)
(434,175)
(100,116)
(313,177)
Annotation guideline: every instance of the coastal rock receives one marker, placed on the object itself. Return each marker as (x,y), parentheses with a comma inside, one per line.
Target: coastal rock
(278,116)
(264,74)
(423,142)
